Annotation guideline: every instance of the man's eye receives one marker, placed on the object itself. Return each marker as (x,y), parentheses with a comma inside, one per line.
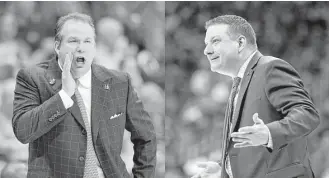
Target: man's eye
(73,41)
(215,40)
(88,41)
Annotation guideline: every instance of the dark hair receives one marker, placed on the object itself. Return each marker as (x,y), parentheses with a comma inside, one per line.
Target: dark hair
(72,16)
(237,25)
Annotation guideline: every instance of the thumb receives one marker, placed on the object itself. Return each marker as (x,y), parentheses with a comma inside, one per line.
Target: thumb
(256,119)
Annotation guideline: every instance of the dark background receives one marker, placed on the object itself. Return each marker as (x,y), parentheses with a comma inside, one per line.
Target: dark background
(130,37)
(196,97)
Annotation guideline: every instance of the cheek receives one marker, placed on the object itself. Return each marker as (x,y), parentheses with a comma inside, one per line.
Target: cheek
(227,50)
(92,51)
(66,48)
(217,49)
(222,50)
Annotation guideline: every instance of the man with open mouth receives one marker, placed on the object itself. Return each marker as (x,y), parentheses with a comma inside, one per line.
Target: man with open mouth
(73,113)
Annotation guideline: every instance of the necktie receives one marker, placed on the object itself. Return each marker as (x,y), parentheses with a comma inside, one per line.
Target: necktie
(227,123)
(234,91)
(90,170)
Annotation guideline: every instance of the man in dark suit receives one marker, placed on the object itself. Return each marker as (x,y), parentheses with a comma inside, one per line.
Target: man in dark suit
(73,113)
(269,113)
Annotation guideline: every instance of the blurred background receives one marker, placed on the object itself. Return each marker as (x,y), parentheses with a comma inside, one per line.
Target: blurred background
(196,97)
(130,37)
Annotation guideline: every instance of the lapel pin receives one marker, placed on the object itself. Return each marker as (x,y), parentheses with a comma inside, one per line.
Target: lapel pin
(52,81)
(107,86)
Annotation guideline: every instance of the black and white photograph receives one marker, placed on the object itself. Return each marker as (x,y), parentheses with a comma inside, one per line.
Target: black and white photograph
(82,89)
(164,89)
(247,91)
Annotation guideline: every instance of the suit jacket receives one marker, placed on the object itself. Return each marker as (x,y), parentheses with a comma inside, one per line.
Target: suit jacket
(273,89)
(57,136)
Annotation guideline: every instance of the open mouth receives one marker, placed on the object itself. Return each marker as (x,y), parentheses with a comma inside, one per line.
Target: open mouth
(80,60)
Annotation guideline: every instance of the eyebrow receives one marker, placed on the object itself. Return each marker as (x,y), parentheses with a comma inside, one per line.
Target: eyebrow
(74,37)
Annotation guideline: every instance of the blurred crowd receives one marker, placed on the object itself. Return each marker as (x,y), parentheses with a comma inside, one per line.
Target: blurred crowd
(196,97)
(130,38)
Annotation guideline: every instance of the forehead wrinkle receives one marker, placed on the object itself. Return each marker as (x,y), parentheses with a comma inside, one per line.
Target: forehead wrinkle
(75,35)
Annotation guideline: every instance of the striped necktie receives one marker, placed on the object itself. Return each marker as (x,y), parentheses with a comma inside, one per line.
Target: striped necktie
(91,160)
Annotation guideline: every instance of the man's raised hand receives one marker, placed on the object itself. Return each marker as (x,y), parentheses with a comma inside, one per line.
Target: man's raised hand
(68,83)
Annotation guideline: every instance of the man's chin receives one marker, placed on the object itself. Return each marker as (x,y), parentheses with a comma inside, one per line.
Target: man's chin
(216,68)
(74,74)
(78,72)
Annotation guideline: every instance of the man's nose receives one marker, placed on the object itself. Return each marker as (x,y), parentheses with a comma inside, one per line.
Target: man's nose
(80,48)
(208,50)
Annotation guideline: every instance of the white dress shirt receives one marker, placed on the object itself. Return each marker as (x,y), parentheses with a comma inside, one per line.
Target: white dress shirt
(84,87)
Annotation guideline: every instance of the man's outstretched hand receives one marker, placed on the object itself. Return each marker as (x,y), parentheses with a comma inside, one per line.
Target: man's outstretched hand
(255,135)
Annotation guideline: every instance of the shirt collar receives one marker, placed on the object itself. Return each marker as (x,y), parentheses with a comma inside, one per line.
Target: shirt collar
(245,64)
(85,80)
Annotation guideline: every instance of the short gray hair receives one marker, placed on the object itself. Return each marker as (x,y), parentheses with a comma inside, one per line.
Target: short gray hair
(72,16)
(237,25)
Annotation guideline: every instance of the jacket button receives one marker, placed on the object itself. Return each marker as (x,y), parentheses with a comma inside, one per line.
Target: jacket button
(81,158)
(84,132)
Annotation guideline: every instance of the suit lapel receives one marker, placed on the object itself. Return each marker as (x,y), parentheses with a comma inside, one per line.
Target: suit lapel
(76,112)
(101,82)
(244,86)
(54,75)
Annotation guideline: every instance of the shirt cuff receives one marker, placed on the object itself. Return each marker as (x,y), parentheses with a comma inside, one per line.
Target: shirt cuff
(67,101)
(270,141)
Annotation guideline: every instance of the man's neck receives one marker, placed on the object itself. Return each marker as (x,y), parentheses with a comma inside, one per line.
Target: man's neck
(247,54)
(245,63)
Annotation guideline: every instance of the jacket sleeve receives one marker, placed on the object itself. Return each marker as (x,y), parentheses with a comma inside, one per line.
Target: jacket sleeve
(285,91)
(31,118)
(143,136)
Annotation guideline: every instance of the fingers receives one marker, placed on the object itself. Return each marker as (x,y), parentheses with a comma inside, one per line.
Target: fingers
(196,176)
(243,144)
(235,139)
(202,175)
(68,62)
(247,130)
(242,135)
(202,164)
(209,169)
(69,59)
(256,119)
(244,132)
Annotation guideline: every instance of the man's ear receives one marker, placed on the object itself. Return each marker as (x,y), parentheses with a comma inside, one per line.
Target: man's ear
(242,42)
(56,47)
